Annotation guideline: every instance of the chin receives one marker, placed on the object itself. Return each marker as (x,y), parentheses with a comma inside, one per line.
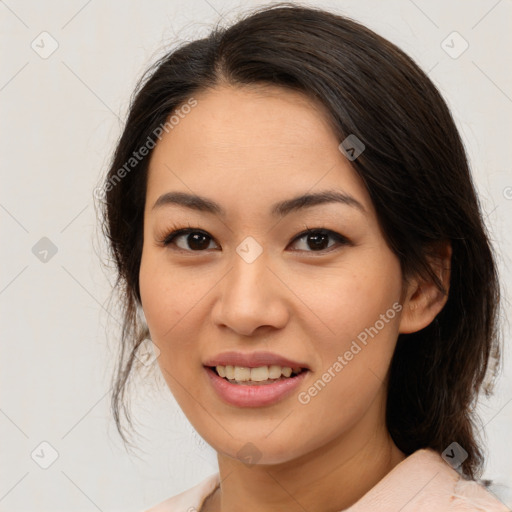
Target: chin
(260,451)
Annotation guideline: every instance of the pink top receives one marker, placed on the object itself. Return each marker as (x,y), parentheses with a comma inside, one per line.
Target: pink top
(423,482)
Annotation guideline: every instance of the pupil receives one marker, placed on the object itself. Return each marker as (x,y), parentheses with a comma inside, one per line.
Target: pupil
(318,241)
(197,241)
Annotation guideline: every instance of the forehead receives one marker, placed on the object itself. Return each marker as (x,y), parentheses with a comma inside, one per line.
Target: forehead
(258,143)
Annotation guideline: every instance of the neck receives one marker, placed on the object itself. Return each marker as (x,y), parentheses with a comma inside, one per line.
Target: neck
(332,477)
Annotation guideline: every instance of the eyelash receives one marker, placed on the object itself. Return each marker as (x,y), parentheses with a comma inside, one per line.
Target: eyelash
(177,231)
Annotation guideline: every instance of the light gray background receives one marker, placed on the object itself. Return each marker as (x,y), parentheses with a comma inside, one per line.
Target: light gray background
(60,117)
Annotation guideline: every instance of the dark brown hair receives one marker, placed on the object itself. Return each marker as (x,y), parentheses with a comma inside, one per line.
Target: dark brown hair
(414,168)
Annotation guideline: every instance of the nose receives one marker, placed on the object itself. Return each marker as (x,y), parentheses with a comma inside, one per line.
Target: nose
(251,297)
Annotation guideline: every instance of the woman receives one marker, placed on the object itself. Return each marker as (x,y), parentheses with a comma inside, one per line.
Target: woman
(295,228)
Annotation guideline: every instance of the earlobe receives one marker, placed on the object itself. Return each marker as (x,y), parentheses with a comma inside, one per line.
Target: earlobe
(423,299)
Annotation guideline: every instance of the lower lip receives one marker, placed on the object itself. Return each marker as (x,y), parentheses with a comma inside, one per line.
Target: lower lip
(254,396)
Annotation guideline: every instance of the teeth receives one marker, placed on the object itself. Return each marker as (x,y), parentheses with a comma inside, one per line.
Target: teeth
(259,374)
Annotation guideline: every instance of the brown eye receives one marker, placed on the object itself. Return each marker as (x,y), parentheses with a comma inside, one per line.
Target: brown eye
(189,240)
(318,240)
(311,240)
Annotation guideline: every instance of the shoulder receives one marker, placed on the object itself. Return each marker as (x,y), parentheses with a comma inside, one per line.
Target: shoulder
(469,495)
(189,500)
(424,482)
(460,494)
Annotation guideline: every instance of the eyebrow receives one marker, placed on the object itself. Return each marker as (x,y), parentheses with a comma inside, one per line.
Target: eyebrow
(280,209)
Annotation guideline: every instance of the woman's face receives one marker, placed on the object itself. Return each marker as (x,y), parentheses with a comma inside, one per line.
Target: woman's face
(251,281)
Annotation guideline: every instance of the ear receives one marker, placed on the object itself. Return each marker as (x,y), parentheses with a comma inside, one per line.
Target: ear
(423,300)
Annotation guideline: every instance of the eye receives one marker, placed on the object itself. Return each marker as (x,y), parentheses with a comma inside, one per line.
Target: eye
(311,240)
(188,239)
(318,240)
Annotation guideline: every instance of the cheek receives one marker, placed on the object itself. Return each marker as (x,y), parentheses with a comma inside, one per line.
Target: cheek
(166,297)
(164,301)
(360,312)
(354,364)
(156,300)
(351,299)
(172,299)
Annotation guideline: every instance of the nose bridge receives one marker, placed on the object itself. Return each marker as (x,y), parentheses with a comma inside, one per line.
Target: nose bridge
(251,296)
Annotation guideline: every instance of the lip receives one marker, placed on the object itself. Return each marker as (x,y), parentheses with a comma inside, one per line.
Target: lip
(242,395)
(253,360)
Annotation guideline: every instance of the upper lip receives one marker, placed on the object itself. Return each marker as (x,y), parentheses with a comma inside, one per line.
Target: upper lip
(252,360)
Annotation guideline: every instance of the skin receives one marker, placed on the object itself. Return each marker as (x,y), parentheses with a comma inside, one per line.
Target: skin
(246,149)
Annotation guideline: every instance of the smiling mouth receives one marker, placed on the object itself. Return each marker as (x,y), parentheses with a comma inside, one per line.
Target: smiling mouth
(260,376)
